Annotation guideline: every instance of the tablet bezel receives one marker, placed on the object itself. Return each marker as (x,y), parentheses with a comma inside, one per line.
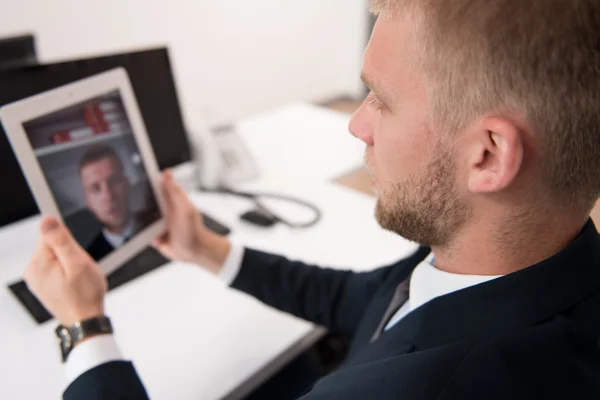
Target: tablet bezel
(14,115)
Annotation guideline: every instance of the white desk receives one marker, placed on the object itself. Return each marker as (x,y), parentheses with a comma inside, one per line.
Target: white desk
(189,336)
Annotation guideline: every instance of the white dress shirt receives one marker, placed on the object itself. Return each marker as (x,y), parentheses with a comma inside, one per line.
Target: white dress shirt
(426,283)
(116,240)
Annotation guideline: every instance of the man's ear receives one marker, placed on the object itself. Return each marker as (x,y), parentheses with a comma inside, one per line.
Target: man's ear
(496,155)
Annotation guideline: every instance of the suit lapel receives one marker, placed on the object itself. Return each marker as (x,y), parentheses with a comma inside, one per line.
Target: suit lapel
(399,298)
(521,299)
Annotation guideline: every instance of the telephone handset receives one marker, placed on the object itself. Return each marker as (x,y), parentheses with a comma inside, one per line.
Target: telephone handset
(221,157)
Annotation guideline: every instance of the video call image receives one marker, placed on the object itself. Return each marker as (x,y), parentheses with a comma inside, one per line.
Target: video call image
(93,166)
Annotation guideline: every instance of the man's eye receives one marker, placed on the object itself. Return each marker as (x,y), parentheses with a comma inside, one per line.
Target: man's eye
(115,180)
(374,102)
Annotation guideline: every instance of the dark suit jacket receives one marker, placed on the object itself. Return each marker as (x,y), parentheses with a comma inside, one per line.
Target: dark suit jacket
(533,334)
(99,247)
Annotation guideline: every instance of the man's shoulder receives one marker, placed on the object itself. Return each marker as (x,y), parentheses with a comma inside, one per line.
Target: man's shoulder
(551,360)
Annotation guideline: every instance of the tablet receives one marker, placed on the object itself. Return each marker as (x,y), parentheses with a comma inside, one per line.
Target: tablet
(85,153)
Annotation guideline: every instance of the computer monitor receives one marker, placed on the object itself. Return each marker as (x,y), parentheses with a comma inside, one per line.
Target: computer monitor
(153,84)
(17,52)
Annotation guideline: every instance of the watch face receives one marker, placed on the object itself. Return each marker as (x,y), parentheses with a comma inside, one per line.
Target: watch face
(69,337)
(64,335)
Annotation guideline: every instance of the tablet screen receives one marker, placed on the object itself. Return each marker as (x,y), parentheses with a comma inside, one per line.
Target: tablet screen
(91,161)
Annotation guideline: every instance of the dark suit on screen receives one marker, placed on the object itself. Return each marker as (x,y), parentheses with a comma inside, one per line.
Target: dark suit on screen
(99,247)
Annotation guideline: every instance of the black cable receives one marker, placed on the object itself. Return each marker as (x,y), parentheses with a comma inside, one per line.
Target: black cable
(255,197)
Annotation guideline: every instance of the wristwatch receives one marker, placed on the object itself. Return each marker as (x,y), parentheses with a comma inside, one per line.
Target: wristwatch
(70,336)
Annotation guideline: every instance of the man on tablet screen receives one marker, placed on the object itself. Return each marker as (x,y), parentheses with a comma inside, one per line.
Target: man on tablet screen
(106,189)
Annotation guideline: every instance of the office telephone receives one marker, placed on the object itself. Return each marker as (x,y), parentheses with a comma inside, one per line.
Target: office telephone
(221,158)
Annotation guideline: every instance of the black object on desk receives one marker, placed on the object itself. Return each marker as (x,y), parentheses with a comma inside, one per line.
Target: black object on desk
(17,52)
(146,261)
(260,217)
(215,225)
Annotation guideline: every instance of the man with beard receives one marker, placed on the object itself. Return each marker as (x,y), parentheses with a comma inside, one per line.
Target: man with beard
(482,138)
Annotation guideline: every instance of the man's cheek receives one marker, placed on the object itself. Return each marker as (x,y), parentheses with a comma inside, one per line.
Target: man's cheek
(98,205)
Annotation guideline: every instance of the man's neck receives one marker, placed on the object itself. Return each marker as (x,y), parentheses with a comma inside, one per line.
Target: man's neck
(486,249)
(118,230)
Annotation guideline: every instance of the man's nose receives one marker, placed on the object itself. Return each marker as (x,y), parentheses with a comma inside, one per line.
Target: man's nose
(107,193)
(112,195)
(361,125)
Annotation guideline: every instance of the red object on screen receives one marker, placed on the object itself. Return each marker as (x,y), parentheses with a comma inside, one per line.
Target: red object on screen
(60,137)
(74,134)
(94,117)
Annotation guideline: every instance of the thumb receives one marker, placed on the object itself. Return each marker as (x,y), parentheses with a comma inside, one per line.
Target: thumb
(61,242)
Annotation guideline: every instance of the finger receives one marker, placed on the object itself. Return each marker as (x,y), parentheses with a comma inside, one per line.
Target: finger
(171,184)
(177,191)
(62,244)
(180,199)
(177,211)
(162,246)
(165,189)
(161,240)
(42,262)
(169,208)
(164,184)
(42,255)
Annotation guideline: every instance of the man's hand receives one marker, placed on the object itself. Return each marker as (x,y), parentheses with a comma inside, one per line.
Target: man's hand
(64,277)
(187,239)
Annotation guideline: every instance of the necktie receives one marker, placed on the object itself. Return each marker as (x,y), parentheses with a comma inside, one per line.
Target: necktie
(399,298)
(126,239)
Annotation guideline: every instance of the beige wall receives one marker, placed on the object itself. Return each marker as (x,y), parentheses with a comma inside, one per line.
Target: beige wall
(232,58)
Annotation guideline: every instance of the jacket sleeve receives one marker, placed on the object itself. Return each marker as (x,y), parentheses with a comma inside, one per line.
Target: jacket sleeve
(333,298)
(115,380)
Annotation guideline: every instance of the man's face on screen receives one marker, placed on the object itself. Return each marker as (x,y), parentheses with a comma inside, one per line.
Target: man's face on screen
(106,192)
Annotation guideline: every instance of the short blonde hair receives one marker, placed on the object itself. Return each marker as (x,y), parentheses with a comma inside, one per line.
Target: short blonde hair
(540,59)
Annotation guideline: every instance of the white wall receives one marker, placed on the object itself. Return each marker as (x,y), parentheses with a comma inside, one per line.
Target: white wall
(232,58)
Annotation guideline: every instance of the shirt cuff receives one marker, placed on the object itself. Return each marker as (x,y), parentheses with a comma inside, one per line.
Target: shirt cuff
(232,265)
(91,353)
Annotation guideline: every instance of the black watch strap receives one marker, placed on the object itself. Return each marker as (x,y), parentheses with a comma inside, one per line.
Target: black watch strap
(71,336)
